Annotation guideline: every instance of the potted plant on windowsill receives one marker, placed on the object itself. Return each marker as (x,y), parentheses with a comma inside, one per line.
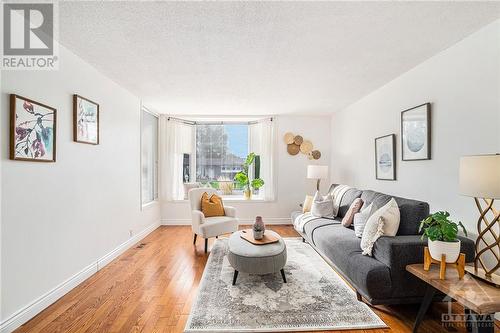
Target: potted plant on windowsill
(243,179)
(441,233)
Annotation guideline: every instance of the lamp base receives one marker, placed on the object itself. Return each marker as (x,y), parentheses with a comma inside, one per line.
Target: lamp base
(480,273)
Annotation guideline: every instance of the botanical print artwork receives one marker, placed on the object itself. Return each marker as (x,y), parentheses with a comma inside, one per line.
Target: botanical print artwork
(415,132)
(384,158)
(86,126)
(33,130)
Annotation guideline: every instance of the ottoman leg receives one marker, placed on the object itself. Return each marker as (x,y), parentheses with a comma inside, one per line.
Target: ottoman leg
(206,245)
(283,275)
(235,276)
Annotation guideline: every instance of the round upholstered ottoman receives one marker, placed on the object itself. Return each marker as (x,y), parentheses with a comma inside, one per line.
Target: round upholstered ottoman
(256,259)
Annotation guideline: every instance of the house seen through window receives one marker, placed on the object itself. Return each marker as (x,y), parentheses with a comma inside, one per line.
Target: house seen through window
(221,150)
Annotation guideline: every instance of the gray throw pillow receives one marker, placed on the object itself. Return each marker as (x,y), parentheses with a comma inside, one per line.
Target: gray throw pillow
(322,206)
(361,218)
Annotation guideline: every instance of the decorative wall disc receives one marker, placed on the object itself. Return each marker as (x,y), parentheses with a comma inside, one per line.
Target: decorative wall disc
(296,144)
(298,140)
(306,147)
(288,138)
(293,149)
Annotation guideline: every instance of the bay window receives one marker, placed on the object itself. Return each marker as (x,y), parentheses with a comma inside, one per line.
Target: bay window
(210,154)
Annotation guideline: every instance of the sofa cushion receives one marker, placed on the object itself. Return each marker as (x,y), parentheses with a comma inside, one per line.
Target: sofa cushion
(411,211)
(342,248)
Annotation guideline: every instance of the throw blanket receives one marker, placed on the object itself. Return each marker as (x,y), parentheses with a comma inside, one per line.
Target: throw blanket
(301,221)
(338,193)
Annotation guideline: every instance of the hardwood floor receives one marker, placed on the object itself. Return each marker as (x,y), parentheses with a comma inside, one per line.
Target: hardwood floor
(151,288)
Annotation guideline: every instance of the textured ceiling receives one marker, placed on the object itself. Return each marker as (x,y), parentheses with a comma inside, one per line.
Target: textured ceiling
(262,57)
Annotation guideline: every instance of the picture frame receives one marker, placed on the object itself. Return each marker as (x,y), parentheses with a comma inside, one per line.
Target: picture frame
(385,157)
(32,130)
(416,133)
(85,120)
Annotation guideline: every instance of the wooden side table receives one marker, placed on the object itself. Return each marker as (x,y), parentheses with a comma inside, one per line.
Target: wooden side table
(480,299)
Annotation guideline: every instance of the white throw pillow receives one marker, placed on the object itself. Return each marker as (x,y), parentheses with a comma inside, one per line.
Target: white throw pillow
(322,206)
(385,221)
(361,218)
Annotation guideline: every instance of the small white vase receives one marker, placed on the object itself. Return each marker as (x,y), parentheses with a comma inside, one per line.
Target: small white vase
(450,249)
(258,234)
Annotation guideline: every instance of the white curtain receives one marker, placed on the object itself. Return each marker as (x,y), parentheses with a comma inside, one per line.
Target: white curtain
(176,139)
(262,141)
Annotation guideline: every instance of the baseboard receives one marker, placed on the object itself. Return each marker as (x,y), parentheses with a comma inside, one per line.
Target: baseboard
(35,307)
(267,220)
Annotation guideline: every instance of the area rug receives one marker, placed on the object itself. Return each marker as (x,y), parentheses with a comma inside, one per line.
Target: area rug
(314,297)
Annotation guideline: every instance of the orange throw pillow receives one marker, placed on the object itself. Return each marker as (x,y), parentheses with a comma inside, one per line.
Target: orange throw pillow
(212,206)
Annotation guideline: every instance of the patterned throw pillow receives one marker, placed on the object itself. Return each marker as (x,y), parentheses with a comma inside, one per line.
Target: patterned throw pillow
(385,221)
(354,208)
(212,206)
(322,206)
(360,219)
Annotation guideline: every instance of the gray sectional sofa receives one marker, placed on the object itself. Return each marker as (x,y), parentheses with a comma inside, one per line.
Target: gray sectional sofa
(382,278)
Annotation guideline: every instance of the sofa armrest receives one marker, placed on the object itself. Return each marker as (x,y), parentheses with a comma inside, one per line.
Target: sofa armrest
(230,211)
(397,252)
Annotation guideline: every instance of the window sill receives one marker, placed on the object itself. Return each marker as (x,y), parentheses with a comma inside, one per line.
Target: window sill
(149,204)
(235,199)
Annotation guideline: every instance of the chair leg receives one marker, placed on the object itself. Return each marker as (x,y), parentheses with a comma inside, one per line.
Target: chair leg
(283,275)
(194,240)
(235,276)
(206,245)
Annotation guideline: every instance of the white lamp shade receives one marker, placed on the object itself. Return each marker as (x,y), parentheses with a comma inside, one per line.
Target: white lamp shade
(317,171)
(480,176)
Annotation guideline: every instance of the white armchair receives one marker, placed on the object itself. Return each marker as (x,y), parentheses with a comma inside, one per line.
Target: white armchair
(208,227)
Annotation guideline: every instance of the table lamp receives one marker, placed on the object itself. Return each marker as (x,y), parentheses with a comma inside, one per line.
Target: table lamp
(317,172)
(480,178)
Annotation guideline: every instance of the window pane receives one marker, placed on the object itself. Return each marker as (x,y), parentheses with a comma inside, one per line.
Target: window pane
(149,159)
(220,153)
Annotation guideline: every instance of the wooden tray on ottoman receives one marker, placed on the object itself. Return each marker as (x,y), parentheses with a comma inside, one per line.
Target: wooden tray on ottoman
(247,235)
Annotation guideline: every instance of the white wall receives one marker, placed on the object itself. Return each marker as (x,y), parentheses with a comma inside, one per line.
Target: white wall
(463,85)
(60,218)
(292,185)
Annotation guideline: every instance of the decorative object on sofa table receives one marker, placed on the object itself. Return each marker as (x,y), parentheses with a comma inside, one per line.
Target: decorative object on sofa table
(317,172)
(459,263)
(385,157)
(480,178)
(243,179)
(258,228)
(443,243)
(416,133)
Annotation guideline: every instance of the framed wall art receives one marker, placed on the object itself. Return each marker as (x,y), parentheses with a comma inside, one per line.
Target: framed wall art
(85,120)
(416,133)
(32,130)
(385,157)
